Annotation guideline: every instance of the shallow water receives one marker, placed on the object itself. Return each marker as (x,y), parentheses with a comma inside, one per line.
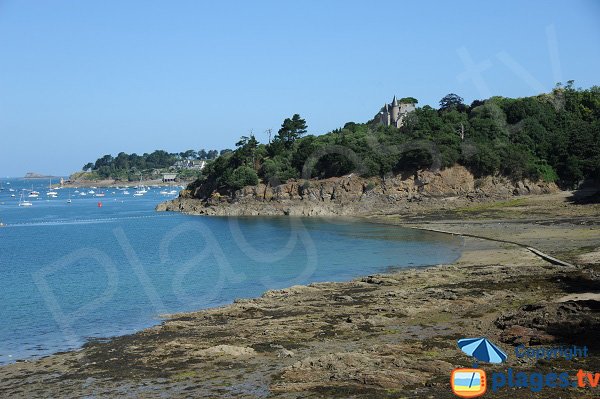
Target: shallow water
(72,272)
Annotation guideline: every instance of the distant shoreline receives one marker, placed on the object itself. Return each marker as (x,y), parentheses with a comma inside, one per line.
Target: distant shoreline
(116,183)
(38,177)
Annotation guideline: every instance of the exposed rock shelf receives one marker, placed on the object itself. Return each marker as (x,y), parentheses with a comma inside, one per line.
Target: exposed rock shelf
(354,195)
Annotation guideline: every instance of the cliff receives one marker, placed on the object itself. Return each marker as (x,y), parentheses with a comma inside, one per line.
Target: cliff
(353,195)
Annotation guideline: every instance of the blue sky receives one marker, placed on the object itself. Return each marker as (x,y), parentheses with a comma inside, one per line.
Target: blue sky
(80,79)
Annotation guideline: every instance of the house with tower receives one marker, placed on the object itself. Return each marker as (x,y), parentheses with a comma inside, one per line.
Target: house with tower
(393,114)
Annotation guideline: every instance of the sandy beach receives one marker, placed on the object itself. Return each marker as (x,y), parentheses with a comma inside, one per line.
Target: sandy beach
(382,336)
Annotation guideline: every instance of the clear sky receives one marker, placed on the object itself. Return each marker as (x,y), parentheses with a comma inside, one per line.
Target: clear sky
(80,79)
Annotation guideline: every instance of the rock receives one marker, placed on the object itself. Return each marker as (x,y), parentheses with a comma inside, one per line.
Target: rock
(523,335)
(349,368)
(226,350)
(379,321)
(571,322)
(379,280)
(285,353)
(347,195)
(441,294)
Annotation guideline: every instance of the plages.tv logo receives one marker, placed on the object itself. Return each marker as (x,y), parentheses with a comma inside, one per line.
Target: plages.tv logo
(472,382)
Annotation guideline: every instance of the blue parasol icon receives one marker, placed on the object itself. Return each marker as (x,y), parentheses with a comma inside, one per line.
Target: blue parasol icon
(482,350)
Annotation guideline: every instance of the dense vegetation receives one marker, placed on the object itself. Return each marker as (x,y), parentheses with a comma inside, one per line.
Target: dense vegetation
(132,166)
(554,136)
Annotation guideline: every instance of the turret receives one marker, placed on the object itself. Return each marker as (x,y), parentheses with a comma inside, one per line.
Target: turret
(395,110)
(385,115)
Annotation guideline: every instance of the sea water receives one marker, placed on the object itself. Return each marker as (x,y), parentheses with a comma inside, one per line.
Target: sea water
(104,266)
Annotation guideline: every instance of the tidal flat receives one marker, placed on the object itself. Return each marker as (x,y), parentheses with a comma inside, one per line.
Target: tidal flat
(388,335)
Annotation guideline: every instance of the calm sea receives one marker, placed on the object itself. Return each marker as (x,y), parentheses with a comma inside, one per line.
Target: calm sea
(70,272)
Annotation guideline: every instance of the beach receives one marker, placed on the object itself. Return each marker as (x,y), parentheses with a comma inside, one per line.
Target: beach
(382,336)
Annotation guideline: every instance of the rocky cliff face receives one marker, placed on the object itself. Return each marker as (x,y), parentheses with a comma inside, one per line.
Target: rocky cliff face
(353,195)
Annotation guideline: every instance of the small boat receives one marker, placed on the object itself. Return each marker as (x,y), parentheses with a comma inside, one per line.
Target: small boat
(33,193)
(91,192)
(12,190)
(23,202)
(173,192)
(51,192)
(100,195)
(125,192)
(83,194)
(164,192)
(141,190)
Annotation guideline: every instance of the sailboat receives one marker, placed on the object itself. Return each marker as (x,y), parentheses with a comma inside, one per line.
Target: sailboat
(51,193)
(69,200)
(141,189)
(24,203)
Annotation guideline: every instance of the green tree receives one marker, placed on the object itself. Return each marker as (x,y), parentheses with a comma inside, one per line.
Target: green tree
(245,154)
(291,130)
(452,101)
(408,100)
(189,154)
(241,177)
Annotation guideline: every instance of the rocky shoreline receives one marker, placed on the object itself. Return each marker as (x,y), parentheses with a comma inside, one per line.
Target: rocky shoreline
(353,195)
(382,336)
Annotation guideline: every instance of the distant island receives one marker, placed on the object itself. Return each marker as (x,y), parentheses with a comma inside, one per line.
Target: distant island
(33,175)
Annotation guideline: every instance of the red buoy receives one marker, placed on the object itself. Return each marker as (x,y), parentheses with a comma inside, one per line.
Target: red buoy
(99,204)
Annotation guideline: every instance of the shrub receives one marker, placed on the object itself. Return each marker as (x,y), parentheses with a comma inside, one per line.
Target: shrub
(241,177)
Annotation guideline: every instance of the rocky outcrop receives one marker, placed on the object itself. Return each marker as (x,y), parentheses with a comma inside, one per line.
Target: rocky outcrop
(354,195)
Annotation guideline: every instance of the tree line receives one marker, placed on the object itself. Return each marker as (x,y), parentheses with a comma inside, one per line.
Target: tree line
(552,137)
(129,166)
